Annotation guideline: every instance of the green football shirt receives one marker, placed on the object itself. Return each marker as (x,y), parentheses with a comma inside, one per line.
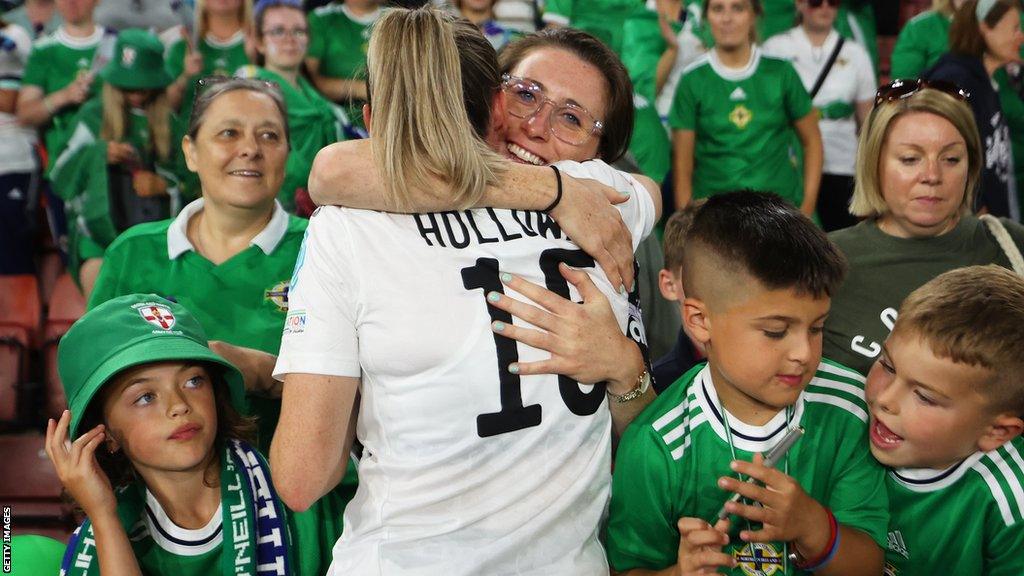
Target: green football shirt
(920,44)
(55,62)
(602,18)
(967,520)
(672,455)
(339,39)
(743,121)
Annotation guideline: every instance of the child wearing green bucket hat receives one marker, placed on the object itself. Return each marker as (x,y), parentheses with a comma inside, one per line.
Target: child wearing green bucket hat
(116,169)
(154,451)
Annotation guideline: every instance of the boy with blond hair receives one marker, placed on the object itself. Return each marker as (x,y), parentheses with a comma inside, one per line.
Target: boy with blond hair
(758,277)
(946,399)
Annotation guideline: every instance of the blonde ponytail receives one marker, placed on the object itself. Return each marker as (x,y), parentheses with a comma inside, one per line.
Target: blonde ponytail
(421,132)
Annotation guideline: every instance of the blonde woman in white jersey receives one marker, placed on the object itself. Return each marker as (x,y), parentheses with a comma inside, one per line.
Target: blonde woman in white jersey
(466,468)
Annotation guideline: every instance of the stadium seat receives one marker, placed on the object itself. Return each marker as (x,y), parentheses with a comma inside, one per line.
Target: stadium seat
(29,485)
(66,306)
(19,325)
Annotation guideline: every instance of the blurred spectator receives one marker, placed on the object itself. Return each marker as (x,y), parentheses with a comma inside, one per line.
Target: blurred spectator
(38,17)
(481,13)
(19,169)
(520,15)
(923,40)
(986,36)
(153,15)
(602,18)
(338,37)
(282,36)
(856,21)
(842,87)
(113,172)
(733,115)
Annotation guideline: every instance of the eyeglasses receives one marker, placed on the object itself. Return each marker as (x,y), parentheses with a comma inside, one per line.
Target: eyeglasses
(569,123)
(280,32)
(820,3)
(900,89)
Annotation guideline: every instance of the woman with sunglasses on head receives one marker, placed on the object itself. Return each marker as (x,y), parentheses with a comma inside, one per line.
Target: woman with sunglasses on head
(468,467)
(986,36)
(919,165)
(838,74)
(734,112)
(282,36)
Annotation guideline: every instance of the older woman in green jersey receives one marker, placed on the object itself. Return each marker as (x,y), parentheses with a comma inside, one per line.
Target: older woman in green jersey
(282,36)
(733,113)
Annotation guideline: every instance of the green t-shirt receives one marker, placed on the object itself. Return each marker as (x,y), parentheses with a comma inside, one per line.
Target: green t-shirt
(641,48)
(779,16)
(743,122)
(672,455)
(884,269)
(967,520)
(920,44)
(602,18)
(338,40)
(55,62)
(313,123)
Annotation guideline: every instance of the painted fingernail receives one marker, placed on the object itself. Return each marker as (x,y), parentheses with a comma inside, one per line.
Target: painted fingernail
(722,482)
(734,465)
(493,296)
(498,326)
(513,368)
(624,191)
(506,277)
(622,289)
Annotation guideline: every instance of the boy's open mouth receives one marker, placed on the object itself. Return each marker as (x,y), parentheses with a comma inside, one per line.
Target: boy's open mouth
(882,436)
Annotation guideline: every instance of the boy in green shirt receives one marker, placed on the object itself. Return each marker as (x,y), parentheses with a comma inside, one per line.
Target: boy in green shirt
(758,278)
(946,402)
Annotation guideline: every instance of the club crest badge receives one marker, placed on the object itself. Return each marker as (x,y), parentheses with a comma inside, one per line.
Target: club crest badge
(760,559)
(741,116)
(157,315)
(278,294)
(128,56)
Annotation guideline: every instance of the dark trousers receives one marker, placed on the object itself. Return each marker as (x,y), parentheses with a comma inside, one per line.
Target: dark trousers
(834,202)
(18,201)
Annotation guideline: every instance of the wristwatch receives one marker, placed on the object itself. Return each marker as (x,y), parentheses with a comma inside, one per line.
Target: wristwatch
(643,383)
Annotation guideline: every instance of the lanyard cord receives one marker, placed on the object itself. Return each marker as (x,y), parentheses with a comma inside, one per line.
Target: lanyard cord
(785,469)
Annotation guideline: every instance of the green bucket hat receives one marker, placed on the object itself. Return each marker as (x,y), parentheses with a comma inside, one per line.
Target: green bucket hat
(128,331)
(137,62)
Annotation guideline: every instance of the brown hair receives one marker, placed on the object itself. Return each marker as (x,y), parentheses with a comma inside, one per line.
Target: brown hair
(868,198)
(212,87)
(231,425)
(618,123)
(965,32)
(675,234)
(974,316)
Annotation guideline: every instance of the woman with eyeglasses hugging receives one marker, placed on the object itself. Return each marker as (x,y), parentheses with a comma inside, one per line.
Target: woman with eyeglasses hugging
(838,75)
(986,36)
(919,167)
(282,36)
(734,112)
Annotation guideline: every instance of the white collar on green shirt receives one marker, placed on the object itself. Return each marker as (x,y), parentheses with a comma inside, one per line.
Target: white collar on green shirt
(62,36)
(365,20)
(267,239)
(735,74)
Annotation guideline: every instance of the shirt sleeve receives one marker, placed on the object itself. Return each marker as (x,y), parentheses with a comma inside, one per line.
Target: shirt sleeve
(1002,548)
(108,283)
(908,58)
(637,212)
(798,101)
(642,523)
(317,42)
(175,59)
(859,498)
(320,330)
(683,113)
(35,70)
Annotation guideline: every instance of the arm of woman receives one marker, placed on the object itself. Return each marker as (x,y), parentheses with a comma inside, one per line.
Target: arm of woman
(336,89)
(683,142)
(35,108)
(309,452)
(814,155)
(342,174)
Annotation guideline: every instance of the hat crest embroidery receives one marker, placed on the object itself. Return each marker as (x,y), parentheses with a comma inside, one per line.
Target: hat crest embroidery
(157,315)
(128,56)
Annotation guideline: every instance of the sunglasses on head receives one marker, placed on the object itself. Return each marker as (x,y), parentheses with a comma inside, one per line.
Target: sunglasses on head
(900,89)
(820,3)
